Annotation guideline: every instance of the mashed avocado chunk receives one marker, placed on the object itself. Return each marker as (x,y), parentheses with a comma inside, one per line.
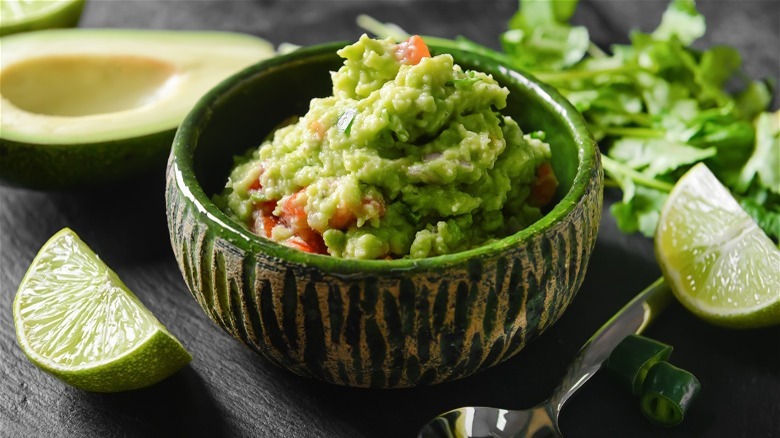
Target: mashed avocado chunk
(410,157)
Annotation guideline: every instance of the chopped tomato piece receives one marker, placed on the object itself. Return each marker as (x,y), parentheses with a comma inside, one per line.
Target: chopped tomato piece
(293,211)
(342,218)
(315,247)
(313,239)
(263,224)
(267,207)
(294,216)
(411,51)
(318,129)
(255,185)
(269,222)
(544,186)
(263,219)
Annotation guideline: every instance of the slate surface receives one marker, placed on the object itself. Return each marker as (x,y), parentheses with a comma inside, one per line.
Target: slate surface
(228,391)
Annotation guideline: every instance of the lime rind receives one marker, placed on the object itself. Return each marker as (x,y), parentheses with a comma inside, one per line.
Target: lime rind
(76,320)
(719,263)
(153,360)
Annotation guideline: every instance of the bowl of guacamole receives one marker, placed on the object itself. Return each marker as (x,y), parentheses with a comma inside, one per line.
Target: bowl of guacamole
(383,214)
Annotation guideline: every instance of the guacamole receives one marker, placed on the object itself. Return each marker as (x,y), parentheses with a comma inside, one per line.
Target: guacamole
(410,157)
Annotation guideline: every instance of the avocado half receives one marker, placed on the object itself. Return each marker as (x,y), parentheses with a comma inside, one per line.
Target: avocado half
(82,107)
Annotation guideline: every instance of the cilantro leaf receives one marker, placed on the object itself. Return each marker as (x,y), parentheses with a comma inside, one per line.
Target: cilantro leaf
(657,106)
(539,35)
(717,66)
(764,164)
(681,20)
(639,209)
(657,156)
(754,99)
(764,207)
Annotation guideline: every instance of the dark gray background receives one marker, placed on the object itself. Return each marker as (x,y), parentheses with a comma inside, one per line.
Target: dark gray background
(228,391)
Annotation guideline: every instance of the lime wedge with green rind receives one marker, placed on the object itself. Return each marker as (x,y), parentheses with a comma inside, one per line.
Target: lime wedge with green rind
(76,320)
(718,262)
(27,15)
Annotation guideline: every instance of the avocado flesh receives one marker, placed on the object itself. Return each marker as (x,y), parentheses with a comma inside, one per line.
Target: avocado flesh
(76,86)
(88,106)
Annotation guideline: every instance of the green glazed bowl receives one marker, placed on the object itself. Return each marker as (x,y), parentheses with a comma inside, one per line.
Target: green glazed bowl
(377,323)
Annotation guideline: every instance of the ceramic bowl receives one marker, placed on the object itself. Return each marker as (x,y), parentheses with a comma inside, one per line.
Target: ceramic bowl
(378,323)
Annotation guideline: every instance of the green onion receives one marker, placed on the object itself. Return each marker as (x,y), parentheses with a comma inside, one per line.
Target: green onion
(346,118)
(633,357)
(462,83)
(667,394)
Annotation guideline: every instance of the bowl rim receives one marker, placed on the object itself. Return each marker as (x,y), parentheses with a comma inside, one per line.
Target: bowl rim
(180,168)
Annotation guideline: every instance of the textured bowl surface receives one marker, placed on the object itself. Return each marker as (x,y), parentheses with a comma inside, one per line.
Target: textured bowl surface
(385,324)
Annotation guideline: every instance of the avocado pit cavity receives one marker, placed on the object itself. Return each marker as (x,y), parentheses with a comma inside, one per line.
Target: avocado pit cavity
(84,85)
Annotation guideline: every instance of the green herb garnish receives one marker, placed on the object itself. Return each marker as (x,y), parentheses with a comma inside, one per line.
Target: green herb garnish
(658,106)
(466,81)
(345,121)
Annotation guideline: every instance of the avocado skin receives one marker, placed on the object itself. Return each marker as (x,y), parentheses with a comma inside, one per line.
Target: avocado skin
(69,16)
(69,166)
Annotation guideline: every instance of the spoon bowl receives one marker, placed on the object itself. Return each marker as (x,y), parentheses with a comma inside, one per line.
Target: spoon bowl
(484,422)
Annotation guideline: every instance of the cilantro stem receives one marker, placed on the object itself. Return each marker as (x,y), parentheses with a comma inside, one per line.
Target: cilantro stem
(595,51)
(381,30)
(619,169)
(640,119)
(570,75)
(633,132)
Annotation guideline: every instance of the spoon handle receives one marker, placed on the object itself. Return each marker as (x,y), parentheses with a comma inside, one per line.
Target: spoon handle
(631,319)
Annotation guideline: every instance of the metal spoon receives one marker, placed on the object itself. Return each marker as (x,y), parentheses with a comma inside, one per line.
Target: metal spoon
(542,420)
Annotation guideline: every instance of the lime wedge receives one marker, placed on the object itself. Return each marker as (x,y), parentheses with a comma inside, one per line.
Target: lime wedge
(26,15)
(76,320)
(718,262)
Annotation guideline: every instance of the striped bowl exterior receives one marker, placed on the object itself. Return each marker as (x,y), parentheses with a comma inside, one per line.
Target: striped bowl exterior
(399,329)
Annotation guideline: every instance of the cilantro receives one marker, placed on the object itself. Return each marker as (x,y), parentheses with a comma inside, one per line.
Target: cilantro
(681,20)
(463,82)
(764,164)
(657,106)
(539,35)
(467,81)
(765,207)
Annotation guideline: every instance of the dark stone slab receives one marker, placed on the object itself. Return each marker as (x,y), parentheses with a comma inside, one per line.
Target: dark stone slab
(228,391)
